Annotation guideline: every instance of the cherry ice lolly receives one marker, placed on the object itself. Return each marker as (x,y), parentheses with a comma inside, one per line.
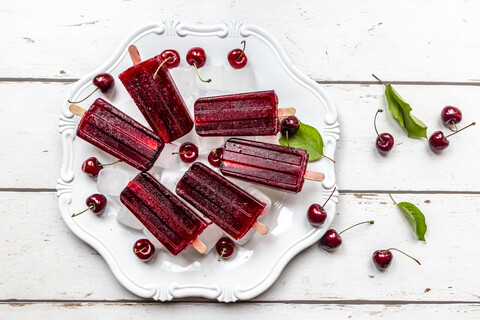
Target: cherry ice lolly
(116,133)
(242,114)
(271,165)
(225,204)
(172,222)
(156,95)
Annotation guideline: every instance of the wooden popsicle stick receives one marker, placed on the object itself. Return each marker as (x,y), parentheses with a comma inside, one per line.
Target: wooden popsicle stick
(313,175)
(199,246)
(260,227)
(285,112)
(76,109)
(134,54)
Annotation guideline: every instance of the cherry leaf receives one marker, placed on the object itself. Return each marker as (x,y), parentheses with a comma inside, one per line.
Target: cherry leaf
(401,111)
(414,217)
(307,138)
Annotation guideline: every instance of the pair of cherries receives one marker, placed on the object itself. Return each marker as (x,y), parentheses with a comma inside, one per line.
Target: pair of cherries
(450,116)
(188,153)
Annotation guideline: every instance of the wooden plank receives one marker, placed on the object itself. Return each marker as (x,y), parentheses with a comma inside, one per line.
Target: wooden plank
(80,311)
(44,260)
(410,166)
(328,40)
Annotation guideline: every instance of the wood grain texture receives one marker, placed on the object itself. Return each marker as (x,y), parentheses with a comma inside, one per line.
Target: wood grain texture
(44,260)
(239,311)
(32,151)
(327,40)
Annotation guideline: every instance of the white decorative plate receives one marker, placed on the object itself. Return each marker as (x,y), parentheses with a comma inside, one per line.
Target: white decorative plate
(260,261)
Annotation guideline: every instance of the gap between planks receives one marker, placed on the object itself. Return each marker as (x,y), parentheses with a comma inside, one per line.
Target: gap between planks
(407,83)
(204,301)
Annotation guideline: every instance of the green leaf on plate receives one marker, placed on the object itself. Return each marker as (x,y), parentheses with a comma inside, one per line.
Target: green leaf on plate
(307,138)
(414,217)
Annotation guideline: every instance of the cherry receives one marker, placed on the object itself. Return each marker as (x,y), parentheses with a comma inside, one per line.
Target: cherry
(384,142)
(331,240)
(143,249)
(383,258)
(237,57)
(215,157)
(92,166)
(103,81)
(451,116)
(96,202)
(172,57)
(289,126)
(196,57)
(225,248)
(188,152)
(316,214)
(438,141)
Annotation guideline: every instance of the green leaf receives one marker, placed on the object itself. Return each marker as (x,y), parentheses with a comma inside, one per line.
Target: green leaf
(415,218)
(401,111)
(307,138)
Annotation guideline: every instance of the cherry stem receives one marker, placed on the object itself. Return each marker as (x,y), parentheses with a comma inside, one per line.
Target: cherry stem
(451,134)
(375,123)
(161,64)
(224,250)
(384,251)
(243,50)
(143,250)
(109,164)
(77,214)
(198,74)
(286,135)
(215,153)
(328,158)
(331,194)
(379,79)
(369,221)
(392,198)
(83,98)
(186,152)
(455,125)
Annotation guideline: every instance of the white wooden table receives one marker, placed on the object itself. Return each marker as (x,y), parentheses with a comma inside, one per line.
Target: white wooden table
(428,49)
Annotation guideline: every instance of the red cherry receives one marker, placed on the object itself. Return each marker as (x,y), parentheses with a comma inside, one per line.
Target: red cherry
(104,82)
(225,248)
(237,57)
(171,57)
(92,166)
(143,249)
(385,141)
(451,115)
(188,152)
(289,124)
(215,157)
(196,57)
(383,258)
(438,141)
(331,240)
(96,202)
(316,214)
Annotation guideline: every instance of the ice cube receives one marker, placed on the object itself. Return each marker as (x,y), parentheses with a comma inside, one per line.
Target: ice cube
(184,78)
(111,182)
(125,217)
(166,159)
(170,178)
(215,73)
(207,144)
(239,80)
(190,99)
(210,236)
